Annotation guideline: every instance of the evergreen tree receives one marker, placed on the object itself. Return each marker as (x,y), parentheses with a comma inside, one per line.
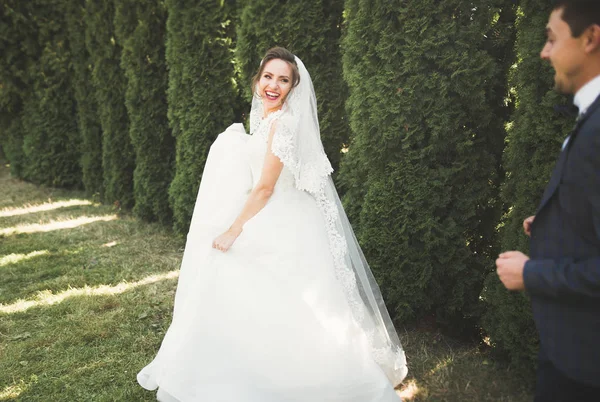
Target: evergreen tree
(19,44)
(427,102)
(535,136)
(110,85)
(311,30)
(51,140)
(201,94)
(141,28)
(90,131)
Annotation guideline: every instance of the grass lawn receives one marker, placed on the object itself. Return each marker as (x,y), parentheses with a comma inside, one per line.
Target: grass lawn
(86,297)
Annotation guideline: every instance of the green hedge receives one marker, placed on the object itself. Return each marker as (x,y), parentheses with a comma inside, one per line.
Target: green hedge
(535,136)
(110,84)
(90,131)
(427,92)
(311,29)
(51,140)
(19,44)
(141,28)
(201,92)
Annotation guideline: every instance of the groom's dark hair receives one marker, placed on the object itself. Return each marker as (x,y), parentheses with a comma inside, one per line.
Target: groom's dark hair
(579,14)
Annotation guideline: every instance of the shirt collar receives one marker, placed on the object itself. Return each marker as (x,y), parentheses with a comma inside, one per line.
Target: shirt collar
(587,94)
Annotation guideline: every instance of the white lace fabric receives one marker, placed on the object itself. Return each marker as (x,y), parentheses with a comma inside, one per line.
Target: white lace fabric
(297,143)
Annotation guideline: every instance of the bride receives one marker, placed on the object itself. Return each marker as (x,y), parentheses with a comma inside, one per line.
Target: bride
(275,301)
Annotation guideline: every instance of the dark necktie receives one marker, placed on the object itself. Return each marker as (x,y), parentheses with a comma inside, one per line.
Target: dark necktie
(569,110)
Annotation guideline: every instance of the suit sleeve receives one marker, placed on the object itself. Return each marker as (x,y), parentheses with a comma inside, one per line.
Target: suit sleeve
(568,278)
(564,279)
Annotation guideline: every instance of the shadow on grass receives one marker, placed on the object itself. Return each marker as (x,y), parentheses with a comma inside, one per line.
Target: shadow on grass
(90,348)
(444,369)
(18,194)
(99,253)
(86,348)
(81,343)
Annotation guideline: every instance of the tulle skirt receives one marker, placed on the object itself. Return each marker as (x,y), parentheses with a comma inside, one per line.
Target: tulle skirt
(266,321)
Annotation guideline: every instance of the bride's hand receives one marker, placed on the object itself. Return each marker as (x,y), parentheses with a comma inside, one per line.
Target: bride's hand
(224,241)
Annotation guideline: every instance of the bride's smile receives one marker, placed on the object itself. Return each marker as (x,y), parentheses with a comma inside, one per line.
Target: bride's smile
(272,95)
(275,84)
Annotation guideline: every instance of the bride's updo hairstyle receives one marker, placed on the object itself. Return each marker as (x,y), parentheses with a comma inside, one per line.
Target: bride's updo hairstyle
(282,54)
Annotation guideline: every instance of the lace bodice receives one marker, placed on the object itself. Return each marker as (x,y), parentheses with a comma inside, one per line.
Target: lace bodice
(257,149)
(297,143)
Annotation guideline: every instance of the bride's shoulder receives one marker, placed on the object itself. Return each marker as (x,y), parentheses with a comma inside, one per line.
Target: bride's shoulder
(282,119)
(266,124)
(237,128)
(235,132)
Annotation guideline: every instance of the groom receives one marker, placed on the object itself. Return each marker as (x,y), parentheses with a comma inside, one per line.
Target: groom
(562,277)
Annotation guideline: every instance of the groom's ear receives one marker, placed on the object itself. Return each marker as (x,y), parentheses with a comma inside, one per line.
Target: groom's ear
(591,37)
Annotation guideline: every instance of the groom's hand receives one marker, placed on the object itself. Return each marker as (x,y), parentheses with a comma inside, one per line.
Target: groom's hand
(510,266)
(527,225)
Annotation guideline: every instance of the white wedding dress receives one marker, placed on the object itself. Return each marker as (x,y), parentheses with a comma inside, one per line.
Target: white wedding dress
(267,321)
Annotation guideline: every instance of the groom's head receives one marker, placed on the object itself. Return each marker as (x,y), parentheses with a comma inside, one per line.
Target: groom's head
(573,44)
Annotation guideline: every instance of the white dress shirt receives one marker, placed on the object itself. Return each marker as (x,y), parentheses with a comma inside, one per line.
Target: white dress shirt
(586,95)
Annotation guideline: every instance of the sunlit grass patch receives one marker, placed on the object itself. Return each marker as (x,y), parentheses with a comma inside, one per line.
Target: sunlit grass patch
(19,194)
(409,390)
(48,206)
(11,392)
(87,348)
(123,250)
(14,258)
(48,298)
(84,307)
(56,225)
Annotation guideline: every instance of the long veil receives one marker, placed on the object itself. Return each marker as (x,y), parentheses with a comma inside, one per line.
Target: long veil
(297,142)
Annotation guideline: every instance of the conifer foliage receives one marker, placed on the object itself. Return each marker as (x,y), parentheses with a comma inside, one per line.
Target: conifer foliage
(46,139)
(90,132)
(427,89)
(141,29)
(110,84)
(200,94)
(18,41)
(534,140)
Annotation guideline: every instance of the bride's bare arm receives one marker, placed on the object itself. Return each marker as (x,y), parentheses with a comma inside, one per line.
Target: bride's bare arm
(263,190)
(258,198)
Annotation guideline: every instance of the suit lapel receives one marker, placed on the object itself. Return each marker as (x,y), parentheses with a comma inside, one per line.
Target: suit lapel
(557,173)
(591,110)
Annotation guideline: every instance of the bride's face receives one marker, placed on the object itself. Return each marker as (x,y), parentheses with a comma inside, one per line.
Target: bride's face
(275,83)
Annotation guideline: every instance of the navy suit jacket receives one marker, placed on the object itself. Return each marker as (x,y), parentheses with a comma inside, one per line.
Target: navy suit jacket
(563,275)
